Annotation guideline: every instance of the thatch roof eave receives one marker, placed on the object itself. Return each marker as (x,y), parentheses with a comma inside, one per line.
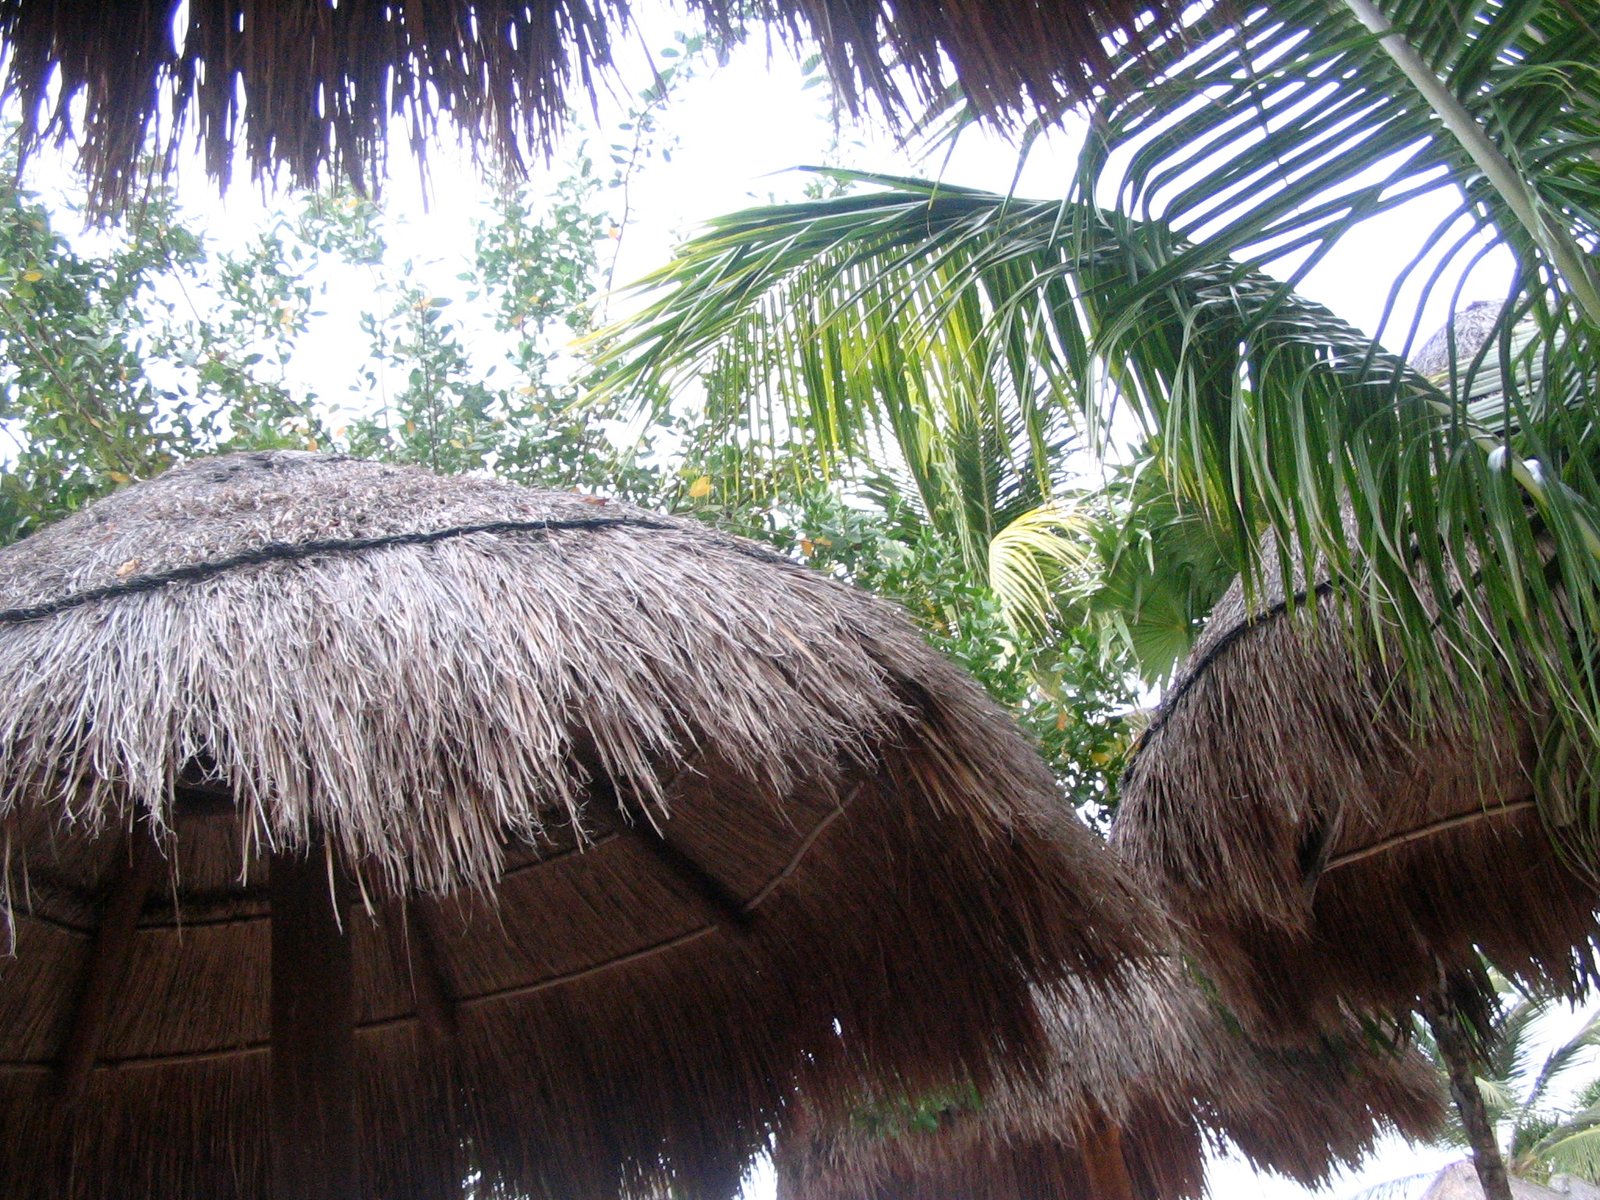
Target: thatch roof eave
(1149,1079)
(309,91)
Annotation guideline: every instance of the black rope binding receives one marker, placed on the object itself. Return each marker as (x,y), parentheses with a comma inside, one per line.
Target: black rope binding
(294,551)
(1170,702)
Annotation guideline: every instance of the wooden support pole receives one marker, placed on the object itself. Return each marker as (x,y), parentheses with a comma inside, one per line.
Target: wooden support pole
(313,1033)
(1103,1162)
(436,1008)
(137,870)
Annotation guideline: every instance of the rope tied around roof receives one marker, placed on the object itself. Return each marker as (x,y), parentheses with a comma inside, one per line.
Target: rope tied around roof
(297,551)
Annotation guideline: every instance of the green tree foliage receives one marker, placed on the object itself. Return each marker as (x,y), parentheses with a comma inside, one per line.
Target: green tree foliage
(158,346)
(76,403)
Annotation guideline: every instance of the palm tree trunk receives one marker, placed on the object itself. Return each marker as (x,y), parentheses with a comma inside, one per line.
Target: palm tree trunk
(1450,1036)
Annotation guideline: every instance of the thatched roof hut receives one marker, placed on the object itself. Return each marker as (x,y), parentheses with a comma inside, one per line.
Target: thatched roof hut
(303,87)
(605,833)
(1458,1181)
(1328,842)
(1456,342)
(1136,1089)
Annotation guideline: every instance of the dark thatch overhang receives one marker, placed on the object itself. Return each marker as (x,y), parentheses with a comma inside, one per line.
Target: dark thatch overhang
(1135,1089)
(1332,844)
(635,829)
(307,85)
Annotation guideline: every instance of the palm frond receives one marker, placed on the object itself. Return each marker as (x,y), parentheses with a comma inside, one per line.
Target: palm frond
(1499,1097)
(1573,1151)
(1459,516)
(1029,558)
(1510,1040)
(1564,1057)
(921,312)
(1266,135)
(1274,130)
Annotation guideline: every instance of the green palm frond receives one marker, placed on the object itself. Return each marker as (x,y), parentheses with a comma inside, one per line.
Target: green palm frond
(1563,1058)
(1271,132)
(926,315)
(918,308)
(976,332)
(1499,1097)
(1573,1147)
(1274,129)
(1510,1045)
(1030,558)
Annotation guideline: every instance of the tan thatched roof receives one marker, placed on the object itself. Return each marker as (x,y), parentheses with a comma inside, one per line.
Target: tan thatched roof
(1459,1181)
(646,828)
(300,87)
(1327,842)
(1150,1078)
(1457,341)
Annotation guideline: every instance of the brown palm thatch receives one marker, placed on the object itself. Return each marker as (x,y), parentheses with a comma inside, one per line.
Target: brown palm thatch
(1458,1181)
(641,828)
(1329,841)
(1147,1080)
(300,85)
(1458,341)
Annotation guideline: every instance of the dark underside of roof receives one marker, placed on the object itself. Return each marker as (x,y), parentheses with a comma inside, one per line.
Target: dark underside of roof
(307,88)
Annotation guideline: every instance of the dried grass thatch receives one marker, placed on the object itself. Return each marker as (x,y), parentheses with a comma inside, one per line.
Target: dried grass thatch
(636,812)
(1459,1181)
(1149,1079)
(315,84)
(1458,341)
(1329,842)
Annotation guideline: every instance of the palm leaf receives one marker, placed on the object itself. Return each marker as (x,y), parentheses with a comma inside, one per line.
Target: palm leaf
(1275,129)
(1499,1097)
(917,310)
(1563,1058)
(1030,557)
(1573,1147)
(1461,519)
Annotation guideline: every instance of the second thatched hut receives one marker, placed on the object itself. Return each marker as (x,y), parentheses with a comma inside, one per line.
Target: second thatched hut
(1332,845)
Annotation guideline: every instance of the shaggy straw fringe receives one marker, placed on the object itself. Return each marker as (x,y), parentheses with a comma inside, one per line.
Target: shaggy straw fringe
(1163,1069)
(314,85)
(1328,843)
(641,816)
